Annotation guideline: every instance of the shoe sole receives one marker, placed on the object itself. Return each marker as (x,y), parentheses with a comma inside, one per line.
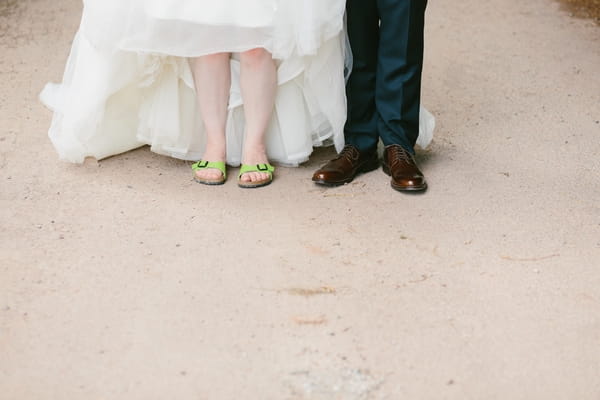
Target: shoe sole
(209,183)
(398,188)
(410,189)
(367,167)
(254,186)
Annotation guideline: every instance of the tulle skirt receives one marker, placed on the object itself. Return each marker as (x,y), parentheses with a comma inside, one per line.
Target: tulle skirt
(128,80)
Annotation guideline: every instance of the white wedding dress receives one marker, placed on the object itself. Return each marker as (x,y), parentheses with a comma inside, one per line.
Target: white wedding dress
(128,82)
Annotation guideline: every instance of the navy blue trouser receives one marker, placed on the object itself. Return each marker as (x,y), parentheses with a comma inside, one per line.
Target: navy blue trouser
(384,90)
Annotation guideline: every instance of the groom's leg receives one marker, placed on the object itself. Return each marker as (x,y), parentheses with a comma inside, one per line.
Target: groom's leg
(363,31)
(398,93)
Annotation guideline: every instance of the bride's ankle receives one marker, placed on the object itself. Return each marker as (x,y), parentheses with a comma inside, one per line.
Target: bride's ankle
(215,148)
(255,153)
(214,154)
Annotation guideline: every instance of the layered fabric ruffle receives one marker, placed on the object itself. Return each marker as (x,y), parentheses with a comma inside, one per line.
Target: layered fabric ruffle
(128,80)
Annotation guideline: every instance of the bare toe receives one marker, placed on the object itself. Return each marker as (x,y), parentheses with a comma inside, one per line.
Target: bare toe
(262,176)
(246,178)
(209,174)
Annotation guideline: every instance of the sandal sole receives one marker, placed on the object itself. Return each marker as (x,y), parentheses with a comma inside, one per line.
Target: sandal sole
(209,183)
(254,185)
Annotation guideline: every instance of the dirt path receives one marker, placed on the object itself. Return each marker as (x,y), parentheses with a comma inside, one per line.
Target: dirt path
(124,280)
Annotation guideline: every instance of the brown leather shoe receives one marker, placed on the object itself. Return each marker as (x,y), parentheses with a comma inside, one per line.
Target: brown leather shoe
(342,169)
(401,166)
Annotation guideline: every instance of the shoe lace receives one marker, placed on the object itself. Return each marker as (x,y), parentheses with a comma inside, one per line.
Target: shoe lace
(400,154)
(349,152)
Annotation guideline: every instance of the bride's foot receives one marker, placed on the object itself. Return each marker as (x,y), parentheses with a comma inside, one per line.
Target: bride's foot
(255,171)
(252,157)
(211,169)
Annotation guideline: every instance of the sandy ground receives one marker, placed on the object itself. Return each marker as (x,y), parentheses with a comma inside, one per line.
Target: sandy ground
(125,280)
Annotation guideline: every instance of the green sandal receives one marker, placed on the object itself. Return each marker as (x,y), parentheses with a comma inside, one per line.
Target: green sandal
(201,165)
(265,168)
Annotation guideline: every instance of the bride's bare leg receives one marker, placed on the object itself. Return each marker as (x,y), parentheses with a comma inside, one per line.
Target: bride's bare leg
(258,81)
(212,75)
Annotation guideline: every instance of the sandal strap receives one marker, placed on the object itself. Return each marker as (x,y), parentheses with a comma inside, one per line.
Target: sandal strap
(265,168)
(220,165)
